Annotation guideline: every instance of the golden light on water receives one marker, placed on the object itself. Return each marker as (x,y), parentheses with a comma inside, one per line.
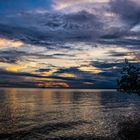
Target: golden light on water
(60,63)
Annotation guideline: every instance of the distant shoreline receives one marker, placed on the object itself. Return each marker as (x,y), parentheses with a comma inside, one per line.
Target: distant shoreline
(58,88)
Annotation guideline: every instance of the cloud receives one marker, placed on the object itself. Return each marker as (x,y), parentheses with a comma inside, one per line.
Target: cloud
(43,70)
(77,45)
(22,79)
(11,56)
(62,4)
(49,26)
(128,10)
(92,19)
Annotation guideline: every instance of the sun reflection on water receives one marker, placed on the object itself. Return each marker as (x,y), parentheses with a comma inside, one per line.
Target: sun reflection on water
(76,112)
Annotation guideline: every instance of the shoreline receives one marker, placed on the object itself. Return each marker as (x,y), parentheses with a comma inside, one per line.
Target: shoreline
(96,89)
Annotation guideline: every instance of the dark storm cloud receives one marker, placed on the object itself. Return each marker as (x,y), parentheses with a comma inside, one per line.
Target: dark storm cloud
(62,54)
(27,35)
(82,78)
(24,74)
(49,31)
(81,75)
(7,73)
(112,70)
(73,70)
(85,76)
(128,10)
(11,56)
(13,79)
(96,79)
(15,56)
(43,70)
(111,74)
(118,54)
(105,65)
(108,77)
(50,26)
(7,59)
(16,79)
(117,40)
(41,28)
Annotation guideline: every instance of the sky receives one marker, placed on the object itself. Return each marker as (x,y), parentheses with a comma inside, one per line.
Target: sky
(67,43)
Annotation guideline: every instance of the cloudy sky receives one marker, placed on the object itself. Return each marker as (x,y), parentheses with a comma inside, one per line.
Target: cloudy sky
(67,43)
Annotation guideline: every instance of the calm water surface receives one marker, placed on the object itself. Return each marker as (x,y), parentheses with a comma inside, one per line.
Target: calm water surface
(48,114)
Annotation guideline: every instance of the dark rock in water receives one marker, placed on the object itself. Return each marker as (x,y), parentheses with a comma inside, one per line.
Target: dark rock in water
(129,130)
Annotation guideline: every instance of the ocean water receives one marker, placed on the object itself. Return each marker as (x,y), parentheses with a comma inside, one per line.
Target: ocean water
(36,114)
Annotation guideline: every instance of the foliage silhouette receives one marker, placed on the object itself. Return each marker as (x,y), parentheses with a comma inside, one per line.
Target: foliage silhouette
(130,79)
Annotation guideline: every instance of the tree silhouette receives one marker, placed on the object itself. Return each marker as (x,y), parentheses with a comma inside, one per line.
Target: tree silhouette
(130,79)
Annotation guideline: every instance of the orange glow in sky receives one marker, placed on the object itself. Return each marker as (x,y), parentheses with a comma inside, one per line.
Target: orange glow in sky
(10,43)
